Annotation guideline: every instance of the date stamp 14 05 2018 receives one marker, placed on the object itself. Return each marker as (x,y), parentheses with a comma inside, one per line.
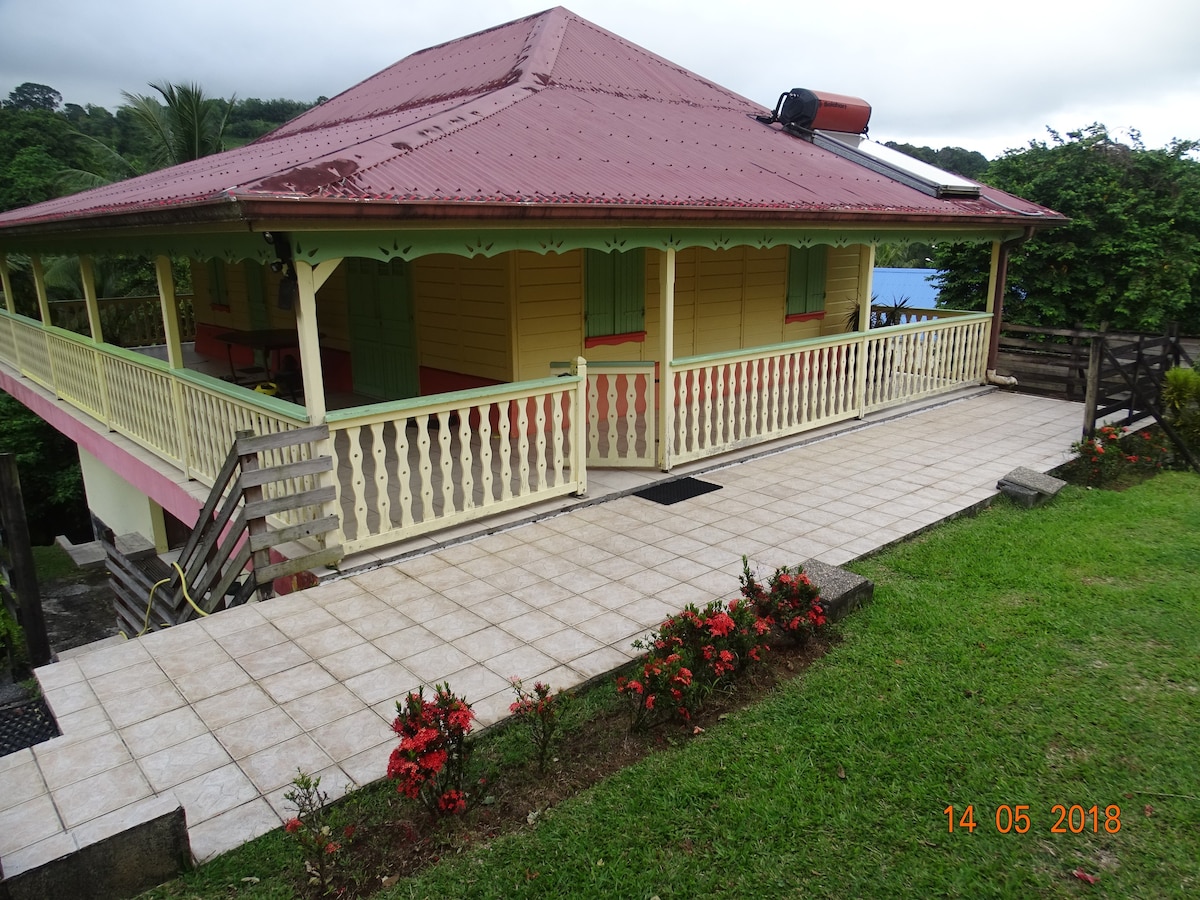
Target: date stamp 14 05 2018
(1017,819)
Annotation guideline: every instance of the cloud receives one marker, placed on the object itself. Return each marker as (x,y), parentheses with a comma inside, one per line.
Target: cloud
(985,77)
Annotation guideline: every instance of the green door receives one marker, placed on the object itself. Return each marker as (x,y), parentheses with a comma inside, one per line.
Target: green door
(383,340)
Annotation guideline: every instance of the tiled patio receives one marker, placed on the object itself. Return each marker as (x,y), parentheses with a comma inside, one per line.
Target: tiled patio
(218,714)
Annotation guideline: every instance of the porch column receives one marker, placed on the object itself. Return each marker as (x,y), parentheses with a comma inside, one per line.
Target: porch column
(87,273)
(308,282)
(866,276)
(6,284)
(39,285)
(11,303)
(170,310)
(994,304)
(666,353)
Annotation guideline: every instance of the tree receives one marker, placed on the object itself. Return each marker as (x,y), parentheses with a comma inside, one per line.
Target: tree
(186,126)
(30,96)
(48,463)
(1130,255)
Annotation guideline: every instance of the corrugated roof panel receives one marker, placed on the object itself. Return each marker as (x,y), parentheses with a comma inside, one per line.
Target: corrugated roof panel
(547,110)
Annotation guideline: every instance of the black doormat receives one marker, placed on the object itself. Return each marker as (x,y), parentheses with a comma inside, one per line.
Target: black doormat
(670,492)
(25,723)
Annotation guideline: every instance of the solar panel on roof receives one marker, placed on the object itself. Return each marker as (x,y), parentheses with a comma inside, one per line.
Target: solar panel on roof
(893,164)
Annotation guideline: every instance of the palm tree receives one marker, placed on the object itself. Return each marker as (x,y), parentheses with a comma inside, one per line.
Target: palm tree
(189,125)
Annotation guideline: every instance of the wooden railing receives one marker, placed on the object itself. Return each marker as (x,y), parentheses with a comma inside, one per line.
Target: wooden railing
(126,321)
(911,362)
(726,401)
(732,400)
(186,418)
(413,466)
(620,413)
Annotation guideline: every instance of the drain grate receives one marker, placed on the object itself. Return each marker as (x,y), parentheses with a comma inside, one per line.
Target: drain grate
(24,724)
(670,492)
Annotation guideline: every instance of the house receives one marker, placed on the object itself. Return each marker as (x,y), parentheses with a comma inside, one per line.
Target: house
(498,263)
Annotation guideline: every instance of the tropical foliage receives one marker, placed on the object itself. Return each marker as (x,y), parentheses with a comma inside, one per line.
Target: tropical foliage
(1130,255)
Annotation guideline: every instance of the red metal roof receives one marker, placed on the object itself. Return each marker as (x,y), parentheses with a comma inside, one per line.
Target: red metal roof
(546,111)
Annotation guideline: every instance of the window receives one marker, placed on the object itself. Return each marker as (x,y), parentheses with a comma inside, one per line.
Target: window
(614,296)
(806,283)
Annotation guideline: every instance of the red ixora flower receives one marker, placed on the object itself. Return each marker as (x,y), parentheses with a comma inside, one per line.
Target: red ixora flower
(452,802)
(292,826)
(720,624)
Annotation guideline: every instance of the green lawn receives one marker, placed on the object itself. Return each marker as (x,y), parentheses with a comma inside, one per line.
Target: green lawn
(1020,658)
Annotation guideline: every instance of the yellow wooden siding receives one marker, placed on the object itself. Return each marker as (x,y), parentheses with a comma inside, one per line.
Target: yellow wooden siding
(462,312)
(841,287)
(549,311)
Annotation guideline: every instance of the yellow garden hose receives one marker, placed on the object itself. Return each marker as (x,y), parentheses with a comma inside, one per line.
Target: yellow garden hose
(150,605)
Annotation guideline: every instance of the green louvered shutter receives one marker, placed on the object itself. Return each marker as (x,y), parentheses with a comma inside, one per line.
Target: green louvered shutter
(806,280)
(616,292)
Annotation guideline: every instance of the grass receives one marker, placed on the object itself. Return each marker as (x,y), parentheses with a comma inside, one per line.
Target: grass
(54,564)
(1030,658)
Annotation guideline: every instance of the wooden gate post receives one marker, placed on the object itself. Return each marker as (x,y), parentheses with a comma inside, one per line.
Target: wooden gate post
(257,525)
(18,564)
(1092,395)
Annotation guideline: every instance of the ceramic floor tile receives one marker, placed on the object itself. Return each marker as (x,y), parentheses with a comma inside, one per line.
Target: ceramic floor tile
(93,797)
(330,640)
(203,654)
(566,646)
(111,659)
(214,792)
(27,823)
(171,728)
(126,709)
(354,661)
(352,734)
(355,607)
(532,625)
(184,761)
(377,625)
(525,663)
(486,643)
(312,619)
(59,674)
(278,658)
(232,829)
(61,766)
(276,766)
(306,679)
(407,642)
(324,706)
(199,685)
(70,698)
(391,680)
(252,640)
(20,784)
(265,729)
(232,705)
(437,663)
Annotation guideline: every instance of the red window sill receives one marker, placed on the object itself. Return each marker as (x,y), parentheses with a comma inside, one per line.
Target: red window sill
(804,317)
(609,340)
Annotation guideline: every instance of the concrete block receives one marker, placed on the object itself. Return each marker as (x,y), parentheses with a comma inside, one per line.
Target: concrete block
(842,592)
(1029,487)
(118,865)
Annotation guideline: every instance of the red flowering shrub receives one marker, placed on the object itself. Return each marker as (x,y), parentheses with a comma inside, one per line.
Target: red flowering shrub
(687,657)
(790,602)
(313,828)
(430,762)
(539,709)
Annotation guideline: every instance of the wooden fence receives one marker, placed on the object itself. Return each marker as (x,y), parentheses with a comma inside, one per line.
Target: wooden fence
(232,532)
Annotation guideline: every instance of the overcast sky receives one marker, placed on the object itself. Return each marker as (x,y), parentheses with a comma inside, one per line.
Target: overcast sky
(988,76)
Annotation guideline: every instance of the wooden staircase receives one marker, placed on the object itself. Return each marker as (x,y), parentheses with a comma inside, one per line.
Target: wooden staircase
(273,489)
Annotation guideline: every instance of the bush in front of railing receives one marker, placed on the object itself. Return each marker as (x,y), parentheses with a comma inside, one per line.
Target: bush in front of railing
(431,760)
(697,651)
